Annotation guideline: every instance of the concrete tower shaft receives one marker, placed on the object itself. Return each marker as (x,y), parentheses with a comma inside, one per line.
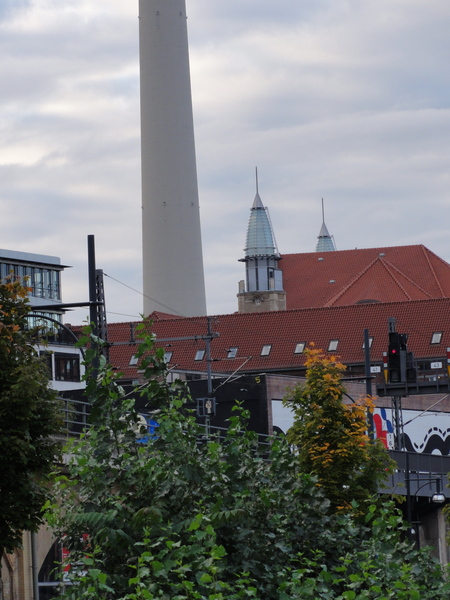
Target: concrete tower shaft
(172,249)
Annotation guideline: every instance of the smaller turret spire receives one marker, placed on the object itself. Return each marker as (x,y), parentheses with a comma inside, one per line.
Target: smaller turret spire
(325,242)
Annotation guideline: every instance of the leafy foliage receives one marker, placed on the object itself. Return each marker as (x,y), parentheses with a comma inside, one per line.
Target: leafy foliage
(188,517)
(331,436)
(29,417)
(381,566)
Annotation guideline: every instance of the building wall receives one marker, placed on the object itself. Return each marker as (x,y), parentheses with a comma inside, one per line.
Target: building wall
(251,302)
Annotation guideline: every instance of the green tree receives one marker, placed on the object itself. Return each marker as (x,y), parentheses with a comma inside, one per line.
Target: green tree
(29,417)
(331,436)
(186,516)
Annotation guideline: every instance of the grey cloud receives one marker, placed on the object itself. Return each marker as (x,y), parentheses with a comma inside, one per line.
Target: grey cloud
(342,100)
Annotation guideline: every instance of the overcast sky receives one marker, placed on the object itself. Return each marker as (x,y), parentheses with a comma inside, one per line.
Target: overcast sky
(348,100)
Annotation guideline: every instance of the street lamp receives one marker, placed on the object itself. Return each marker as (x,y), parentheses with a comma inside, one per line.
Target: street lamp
(438,497)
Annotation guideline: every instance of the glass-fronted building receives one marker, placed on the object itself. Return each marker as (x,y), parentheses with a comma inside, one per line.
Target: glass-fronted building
(39,272)
(42,275)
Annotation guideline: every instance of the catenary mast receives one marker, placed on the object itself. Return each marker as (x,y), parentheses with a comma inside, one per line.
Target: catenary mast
(172,250)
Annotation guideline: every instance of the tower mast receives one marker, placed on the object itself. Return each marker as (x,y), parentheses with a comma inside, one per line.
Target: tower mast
(172,251)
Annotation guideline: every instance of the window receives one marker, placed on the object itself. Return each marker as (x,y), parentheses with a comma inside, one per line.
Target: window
(49,576)
(133,360)
(300,348)
(332,347)
(54,286)
(266,349)
(167,357)
(232,352)
(199,355)
(67,367)
(436,337)
(370,343)
(38,283)
(193,376)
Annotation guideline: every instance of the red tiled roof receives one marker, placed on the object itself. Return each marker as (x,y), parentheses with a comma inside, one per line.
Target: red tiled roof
(283,330)
(343,277)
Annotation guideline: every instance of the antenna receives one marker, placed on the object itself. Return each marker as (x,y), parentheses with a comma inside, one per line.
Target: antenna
(256,173)
(323,213)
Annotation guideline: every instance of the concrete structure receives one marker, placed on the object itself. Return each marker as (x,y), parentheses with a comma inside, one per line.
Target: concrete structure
(172,250)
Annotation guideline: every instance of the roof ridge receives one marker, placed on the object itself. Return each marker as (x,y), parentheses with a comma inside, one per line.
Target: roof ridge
(342,291)
(379,249)
(262,314)
(431,267)
(408,278)
(291,310)
(386,264)
(435,255)
(389,267)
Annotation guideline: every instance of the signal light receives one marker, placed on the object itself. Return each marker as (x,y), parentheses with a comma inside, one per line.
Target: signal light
(396,358)
(400,361)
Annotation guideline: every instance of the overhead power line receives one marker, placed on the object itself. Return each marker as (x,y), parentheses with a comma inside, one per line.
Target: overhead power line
(172,310)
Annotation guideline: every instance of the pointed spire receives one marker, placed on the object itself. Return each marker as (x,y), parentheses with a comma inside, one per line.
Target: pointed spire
(257,202)
(325,242)
(263,287)
(260,240)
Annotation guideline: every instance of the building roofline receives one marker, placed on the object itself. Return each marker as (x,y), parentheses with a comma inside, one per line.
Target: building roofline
(30,257)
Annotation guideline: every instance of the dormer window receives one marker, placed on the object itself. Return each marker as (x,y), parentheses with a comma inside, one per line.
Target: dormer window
(300,348)
(436,337)
(266,349)
(332,346)
(199,355)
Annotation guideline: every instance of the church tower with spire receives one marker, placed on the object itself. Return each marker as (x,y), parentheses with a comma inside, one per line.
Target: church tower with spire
(262,290)
(325,242)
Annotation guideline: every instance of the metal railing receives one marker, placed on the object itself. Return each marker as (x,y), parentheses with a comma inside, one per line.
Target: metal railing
(75,416)
(421,468)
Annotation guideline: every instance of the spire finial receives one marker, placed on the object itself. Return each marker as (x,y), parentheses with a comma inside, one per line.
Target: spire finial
(256,174)
(325,241)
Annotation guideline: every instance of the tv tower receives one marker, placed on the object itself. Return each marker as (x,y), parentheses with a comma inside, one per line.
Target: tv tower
(172,248)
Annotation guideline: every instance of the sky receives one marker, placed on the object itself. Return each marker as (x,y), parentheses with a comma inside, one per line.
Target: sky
(345,100)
